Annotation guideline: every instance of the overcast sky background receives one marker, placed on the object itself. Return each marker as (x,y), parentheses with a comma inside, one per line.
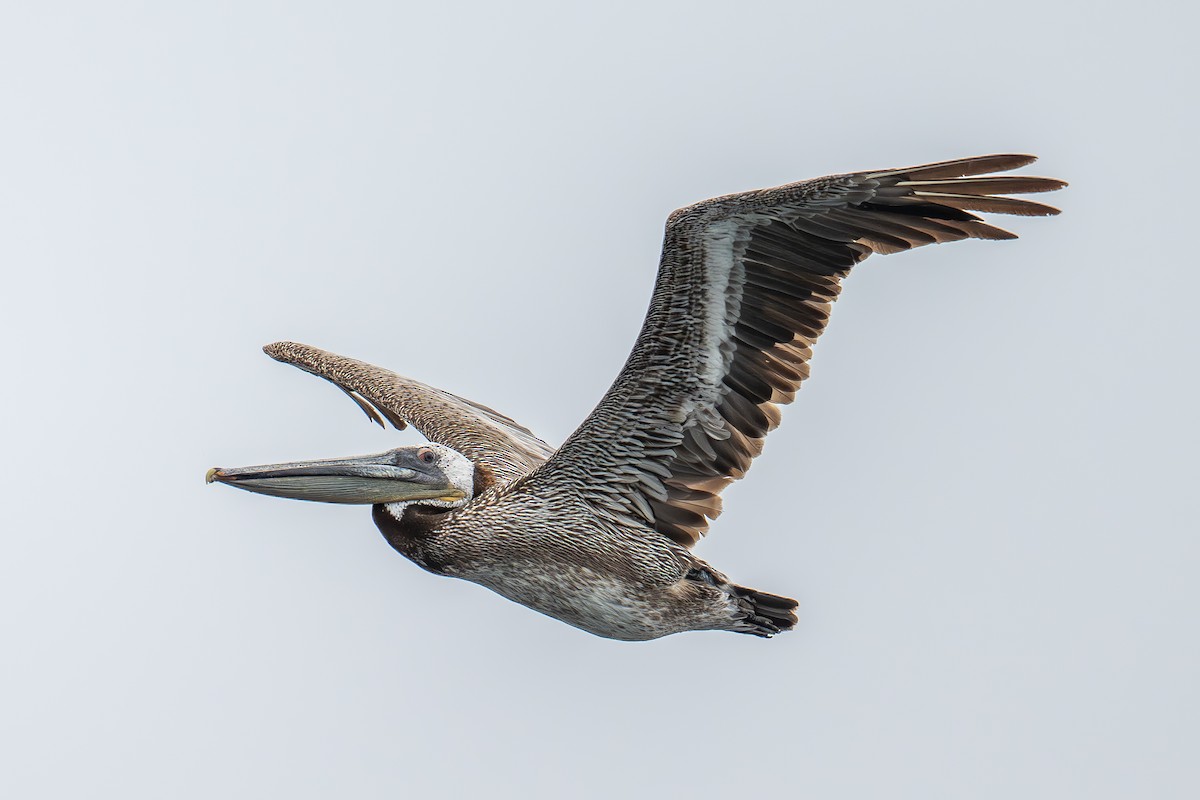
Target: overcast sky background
(984,499)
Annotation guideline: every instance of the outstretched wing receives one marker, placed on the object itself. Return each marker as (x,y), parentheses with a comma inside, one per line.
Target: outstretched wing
(744,289)
(479,433)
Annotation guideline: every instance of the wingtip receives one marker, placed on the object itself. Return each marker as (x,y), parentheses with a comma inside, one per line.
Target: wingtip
(289,352)
(1003,162)
(961,167)
(275,349)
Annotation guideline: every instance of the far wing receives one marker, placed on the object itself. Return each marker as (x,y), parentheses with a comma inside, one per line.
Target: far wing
(479,433)
(744,290)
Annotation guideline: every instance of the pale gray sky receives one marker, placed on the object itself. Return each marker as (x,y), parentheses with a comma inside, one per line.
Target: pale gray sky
(984,498)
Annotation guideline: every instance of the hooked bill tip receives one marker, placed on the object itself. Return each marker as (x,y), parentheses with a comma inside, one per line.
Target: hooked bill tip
(211,475)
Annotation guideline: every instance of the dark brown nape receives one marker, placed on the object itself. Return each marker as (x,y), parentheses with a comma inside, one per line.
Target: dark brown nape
(410,536)
(483,479)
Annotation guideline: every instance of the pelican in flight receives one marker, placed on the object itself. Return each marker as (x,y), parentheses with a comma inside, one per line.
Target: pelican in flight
(599,532)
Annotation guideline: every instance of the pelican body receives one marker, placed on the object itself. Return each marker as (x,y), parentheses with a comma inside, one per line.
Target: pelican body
(599,533)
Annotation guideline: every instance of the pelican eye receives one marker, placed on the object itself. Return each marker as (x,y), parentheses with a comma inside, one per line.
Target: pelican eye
(426,456)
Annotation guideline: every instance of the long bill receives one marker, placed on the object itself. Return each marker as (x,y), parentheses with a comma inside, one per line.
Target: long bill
(395,476)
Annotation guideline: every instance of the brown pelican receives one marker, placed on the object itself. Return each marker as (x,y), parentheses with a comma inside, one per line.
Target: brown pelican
(598,533)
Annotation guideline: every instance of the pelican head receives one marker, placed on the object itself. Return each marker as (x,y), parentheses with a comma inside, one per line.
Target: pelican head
(429,474)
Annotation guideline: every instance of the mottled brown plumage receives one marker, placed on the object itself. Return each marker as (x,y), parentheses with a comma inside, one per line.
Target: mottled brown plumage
(598,533)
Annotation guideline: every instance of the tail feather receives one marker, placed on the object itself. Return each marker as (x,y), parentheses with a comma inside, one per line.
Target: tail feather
(766,614)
